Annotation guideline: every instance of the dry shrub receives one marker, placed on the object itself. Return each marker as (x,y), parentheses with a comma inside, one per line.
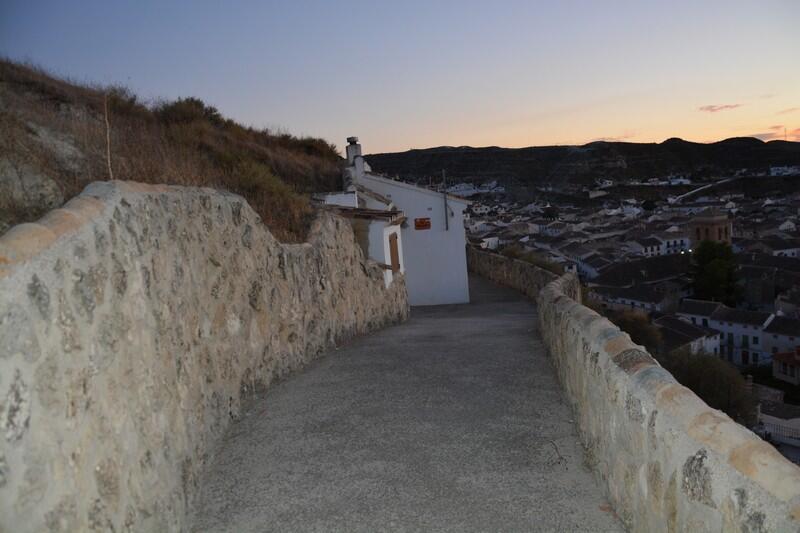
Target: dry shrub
(184,142)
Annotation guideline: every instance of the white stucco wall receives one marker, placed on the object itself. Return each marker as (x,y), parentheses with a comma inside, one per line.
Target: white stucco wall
(379,251)
(779,343)
(346,199)
(434,259)
(751,346)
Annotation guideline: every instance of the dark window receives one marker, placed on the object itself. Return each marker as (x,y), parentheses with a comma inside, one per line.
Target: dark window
(791,371)
(705,322)
(783,369)
(755,340)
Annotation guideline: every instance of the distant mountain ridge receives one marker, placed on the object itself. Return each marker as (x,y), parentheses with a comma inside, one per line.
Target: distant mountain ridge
(599,159)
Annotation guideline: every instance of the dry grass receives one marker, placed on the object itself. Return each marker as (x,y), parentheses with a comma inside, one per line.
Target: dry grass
(184,142)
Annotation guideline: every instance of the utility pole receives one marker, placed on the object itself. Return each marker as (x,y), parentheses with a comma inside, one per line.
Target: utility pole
(444,192)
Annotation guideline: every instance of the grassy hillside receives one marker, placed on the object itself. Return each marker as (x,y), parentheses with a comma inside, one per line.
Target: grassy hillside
(54,143)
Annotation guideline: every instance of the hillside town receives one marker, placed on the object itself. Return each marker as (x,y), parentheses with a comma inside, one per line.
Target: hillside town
(635,255)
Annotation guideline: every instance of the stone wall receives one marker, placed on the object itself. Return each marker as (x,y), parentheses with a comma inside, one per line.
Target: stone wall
(133,324)
(513,273)
(668,461)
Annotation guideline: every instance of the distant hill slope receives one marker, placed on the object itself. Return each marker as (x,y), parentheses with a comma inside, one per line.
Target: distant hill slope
(584,163)
(53,143)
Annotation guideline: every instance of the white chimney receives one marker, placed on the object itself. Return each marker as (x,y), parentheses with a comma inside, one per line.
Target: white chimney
(353,149)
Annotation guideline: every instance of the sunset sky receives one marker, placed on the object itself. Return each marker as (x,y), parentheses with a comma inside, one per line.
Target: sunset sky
(408,74)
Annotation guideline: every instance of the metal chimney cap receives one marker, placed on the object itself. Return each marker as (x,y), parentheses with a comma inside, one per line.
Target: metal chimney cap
(352,140)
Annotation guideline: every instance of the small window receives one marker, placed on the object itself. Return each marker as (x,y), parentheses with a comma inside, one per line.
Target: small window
(755,358)
(705,322)
(791,371)
(783,369)
(755,340)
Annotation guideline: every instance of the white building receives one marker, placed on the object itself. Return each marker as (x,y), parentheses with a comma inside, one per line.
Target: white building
(782,334)
(742,336)
(679,333)
(433,238)
(784,171)
(376,230)
(490,243)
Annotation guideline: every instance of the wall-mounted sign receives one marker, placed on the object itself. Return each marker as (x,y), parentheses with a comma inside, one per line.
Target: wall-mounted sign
(422,223)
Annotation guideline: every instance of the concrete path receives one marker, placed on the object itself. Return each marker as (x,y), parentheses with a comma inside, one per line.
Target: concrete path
(453,421)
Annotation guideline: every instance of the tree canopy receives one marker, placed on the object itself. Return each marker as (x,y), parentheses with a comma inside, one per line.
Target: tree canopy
(714,273)
(716,382)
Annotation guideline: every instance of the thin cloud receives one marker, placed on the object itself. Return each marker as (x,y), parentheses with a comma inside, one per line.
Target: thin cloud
(787,111)
(715,108)
(767,136)
(622,137)
(778,133)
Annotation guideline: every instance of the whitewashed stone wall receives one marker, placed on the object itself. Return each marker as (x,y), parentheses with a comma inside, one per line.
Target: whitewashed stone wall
(668,461)
(133,324)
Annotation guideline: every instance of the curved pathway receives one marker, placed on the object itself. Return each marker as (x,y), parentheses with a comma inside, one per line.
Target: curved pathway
(453,421)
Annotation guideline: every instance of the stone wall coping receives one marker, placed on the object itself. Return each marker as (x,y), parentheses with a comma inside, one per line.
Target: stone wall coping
(24,242)
(711,428)
(136,323)
(723,476)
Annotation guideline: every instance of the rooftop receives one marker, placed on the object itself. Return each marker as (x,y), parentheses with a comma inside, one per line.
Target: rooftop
(740,316)
(691,306)
(783,325)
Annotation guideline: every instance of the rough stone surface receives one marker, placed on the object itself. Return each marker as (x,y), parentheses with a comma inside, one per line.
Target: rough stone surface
(25,189)
(510,272)
(134,323)
(452,421)
(642,428)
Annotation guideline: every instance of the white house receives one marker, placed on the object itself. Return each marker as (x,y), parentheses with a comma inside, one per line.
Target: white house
(433,237)
(672,243)
(376,230)
(490,243)
(782,334)
(781,421)
(742,333)
(679,333)
(742,340)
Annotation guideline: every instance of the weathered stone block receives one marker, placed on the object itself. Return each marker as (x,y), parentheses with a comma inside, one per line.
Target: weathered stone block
(158,309)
